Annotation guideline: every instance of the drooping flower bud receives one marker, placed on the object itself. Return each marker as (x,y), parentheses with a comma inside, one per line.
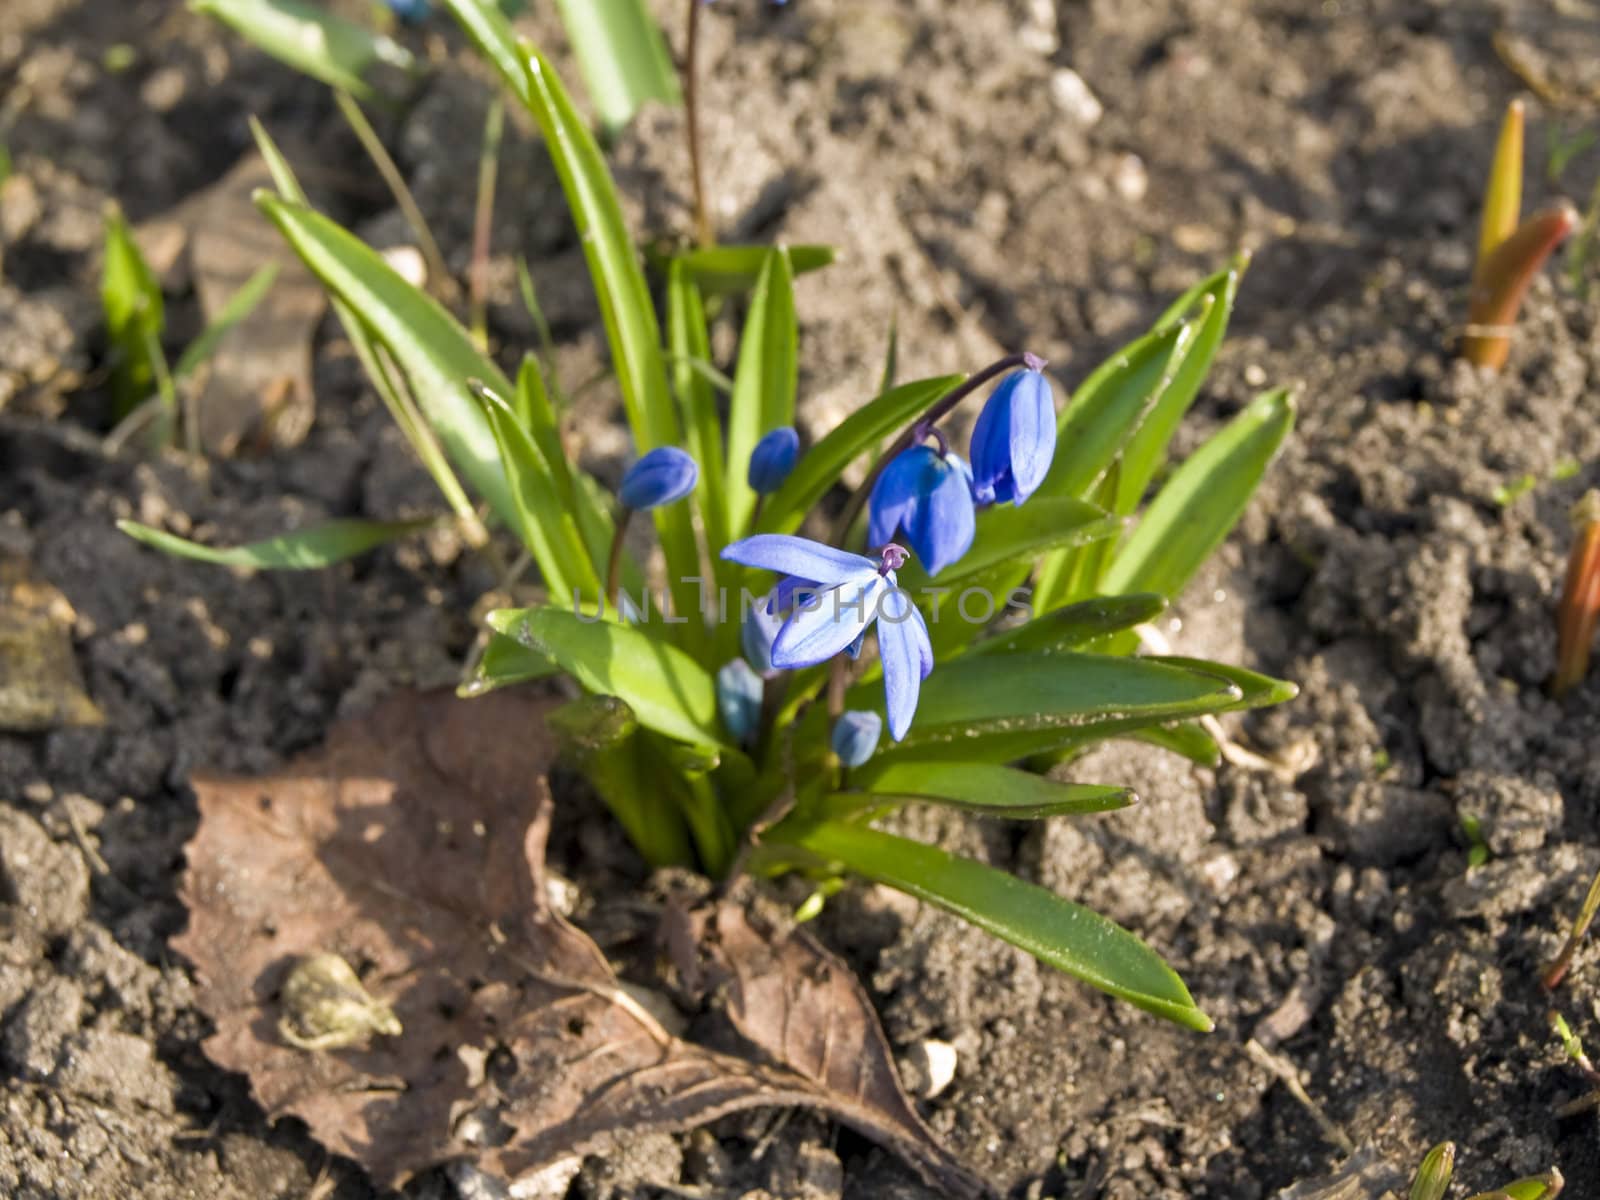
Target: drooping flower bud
(739,699)
(1014,439)
(855,736)
(662,476)
(755,639)
(929,496)
(772,460)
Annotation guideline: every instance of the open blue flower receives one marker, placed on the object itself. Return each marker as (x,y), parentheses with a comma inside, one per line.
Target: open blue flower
(929,496)
(662,476)
(850,593)
(772,460)
(1014,439)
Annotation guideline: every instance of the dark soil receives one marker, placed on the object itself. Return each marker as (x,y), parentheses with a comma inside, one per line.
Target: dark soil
(1332,917)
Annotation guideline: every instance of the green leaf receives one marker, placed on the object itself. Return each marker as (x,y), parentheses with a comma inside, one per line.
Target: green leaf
(130,298)
(690,341)
(671,692)
(983,788)
(1057,932)
(1433,1176)
(998,708)
(434,351)
(1105,410)
(1535,1187)
(1076,625)
(239,306)
(626,308)
(734,270)
(765,382)
(504,662)
(819,467)
(310,39)
(1255,690)
(486,26)
(546,517)
(1188,739)
(622,55)
(1007,533)
(1147,448)
(302,550)
(1202,501)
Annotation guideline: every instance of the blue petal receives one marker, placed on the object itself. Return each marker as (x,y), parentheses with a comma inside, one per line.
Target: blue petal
(772,459)
(991,439)
(739,692)
(791,590)
(663,476)
(791,555)
(816,633)
(1033,433)
(943,523)
(895,494)
(854,648)
(904,649)
(855,736)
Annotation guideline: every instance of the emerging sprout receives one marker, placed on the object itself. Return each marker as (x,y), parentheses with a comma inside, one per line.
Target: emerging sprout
(1580,597)
(1509,254)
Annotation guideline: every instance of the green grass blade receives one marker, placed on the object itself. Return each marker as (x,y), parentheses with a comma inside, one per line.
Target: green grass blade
(859,433)
(735,270)
(488,29)
(310,39)
(302,550)
(239,306)
(503,663)
(622,56)
(1202,501)
(1007,533)
(1057,932)
(130,299)
(765,382)
(671,692)
(987,789)
(1255,690)
(431,347)
(1146,450)
(1076,625)
(689,341)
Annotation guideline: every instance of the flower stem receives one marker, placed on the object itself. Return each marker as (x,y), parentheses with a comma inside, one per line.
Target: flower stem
(691,112)
(919,428)
(483,224)
(614,566)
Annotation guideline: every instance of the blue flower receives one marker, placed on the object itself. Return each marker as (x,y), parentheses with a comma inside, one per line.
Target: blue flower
(1014,439)
(739,699)
(772,460)
(851,592)
(411,11)
(930,498)
(855,736)
(662,476)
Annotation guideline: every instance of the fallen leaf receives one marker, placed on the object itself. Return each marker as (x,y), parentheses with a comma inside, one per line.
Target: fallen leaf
(803,1007)
(412,847)
(40,685)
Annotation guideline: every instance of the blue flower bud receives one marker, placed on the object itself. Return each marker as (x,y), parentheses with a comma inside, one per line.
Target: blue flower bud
(855,736)
(1014,439)
(756,634)
(772,460)
(930,498)
(662,476)
(411,11)
(739,699)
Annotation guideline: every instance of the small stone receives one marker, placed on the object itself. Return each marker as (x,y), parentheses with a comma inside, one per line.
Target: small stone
(1073,97)
(1255,375)
(1196,239)
(928,1068)
(1129,178)
(408,263)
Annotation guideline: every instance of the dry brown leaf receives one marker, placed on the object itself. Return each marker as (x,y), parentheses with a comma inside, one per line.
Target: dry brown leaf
(804,1008)
(411,846)
(40,685)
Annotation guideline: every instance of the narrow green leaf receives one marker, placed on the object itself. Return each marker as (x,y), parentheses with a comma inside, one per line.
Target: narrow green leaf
(1105,410)
(434,351)
(1076,625)
(994,791)
(1007,533)
(504,662)
(1057,932)
(130,298)
(1146,450)
(1543,1186)
(310,39)
(626,308)
(239,306)
(820,466)
(546,516)
(1074,572)
(622,56)
(689,340)
(735,270)
(671,692)
(1202,501)
(1433,1176)
(487,27)
(765,382)
(1188,739)
(1255,690)
(303,550)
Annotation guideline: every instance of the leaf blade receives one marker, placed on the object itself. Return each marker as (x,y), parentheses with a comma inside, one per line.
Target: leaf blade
(302,550)
(622,57)
(764,383)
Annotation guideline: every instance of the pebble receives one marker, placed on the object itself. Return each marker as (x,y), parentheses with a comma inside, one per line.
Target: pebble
(1073,97)
(1130,179)
(928,1067)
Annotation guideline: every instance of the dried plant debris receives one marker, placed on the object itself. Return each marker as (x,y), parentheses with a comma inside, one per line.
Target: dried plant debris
(40,684)
(467,1020)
